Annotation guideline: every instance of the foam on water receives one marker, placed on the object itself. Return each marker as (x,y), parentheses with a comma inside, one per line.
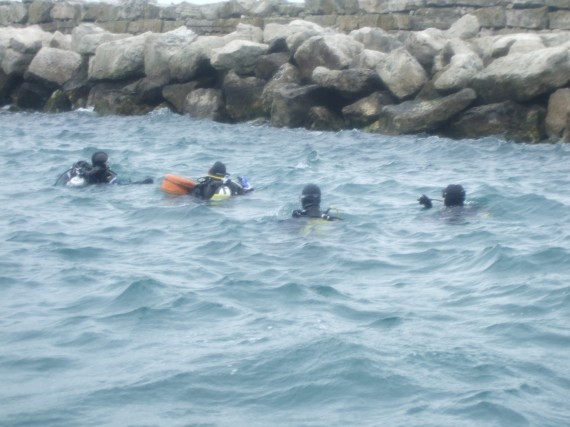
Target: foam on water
(124,306)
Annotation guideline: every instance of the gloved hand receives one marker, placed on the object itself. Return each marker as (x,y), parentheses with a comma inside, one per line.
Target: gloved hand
(244,182)
(425,200)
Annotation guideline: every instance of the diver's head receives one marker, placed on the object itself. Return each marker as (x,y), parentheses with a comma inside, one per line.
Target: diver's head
(453,195)
(218,170)
(310,196)
(99,158)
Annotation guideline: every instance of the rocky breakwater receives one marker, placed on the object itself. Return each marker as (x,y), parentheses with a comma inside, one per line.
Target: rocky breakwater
(458,82)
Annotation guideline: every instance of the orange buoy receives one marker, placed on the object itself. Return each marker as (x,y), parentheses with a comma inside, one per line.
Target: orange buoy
(174,184)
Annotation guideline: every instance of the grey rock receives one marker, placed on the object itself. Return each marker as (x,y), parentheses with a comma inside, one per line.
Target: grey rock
(508,119)
(557,122)
(30,96)
(324,119)
(285,75)
(376,39)
(159,48)
(521,77)
(176,94)
(333,51)
(190,61)
(422,116)
(351,84)
(54,65)
(267,65)
(206,104)
(367,110)
(111,99)
(243,97)
(238,55)
(291,104)
(119,59)
(401,73)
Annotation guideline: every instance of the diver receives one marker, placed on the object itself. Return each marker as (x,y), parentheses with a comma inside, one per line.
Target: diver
(453,195)
(217,181)
(311,205)
(98,172)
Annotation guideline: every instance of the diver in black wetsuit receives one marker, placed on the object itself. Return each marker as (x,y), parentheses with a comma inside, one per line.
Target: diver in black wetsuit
(99,172)
(217,177)
(311,204)
(453,195)
(82,173)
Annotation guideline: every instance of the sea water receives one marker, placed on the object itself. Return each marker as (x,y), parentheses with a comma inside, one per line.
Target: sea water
(125,306)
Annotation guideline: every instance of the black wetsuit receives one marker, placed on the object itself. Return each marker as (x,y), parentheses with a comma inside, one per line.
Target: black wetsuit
(313,212)
(100,175)
(208,186)
(91,174)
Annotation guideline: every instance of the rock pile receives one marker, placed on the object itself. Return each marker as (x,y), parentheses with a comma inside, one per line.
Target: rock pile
(458,82)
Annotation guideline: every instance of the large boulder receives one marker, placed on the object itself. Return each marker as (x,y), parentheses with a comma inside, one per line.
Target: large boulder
(111,99)
(291,104)
(81,31)
(402,73)
(7,84)
(322,118)
(368,59)
(15,63)
(333,51)
(286,74)
(243,97)
(302,31)
(206,104)
(53,65)
(452,48)
(30,96)
(18,47)
(274,31)
(422,116)
(12,13)
(459,72)
(267,65)
(77,88)
(238,55)
(146,90)
(193,59)
(557,121)
(367,110)
(521,77)
(466,27)
(86,37)
(119,59)
(58,102)
(516,43)
(376,39)
(29,39)
(425,45)
(351,84)
(175,94)
(39,11)
(159,48)
(245,32)
(60,41)
(6,35)
(509,119)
